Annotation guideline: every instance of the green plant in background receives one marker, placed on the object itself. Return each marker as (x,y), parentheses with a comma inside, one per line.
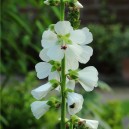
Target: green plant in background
(110,43)
(114,117)
(107,17)
(22,25)
(15,110)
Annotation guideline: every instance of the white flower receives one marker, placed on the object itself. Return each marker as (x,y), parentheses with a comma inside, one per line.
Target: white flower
(75,102)
(68,42)
(88,78)
(43,70)
(42,91)
(78,4)
(39,108)
(91,124)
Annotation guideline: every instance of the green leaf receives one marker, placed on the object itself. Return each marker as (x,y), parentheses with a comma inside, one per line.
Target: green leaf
(19,21)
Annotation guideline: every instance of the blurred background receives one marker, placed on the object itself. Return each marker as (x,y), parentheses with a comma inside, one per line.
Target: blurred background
(22,25)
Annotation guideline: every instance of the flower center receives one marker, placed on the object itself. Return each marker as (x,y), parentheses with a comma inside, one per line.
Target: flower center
(64,39)
(72,106)
(64,47)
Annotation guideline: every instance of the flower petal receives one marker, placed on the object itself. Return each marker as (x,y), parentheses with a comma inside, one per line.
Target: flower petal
(43,55)
(43,69)
(87,52)
(39,108)
(75,102)
(88,78)
(92,124)
(89,36)
(77,36)
(41,91)
(82,53)
(71,61)
(71,84)
(56,53)
(54,75)
(63,27)
(49,39)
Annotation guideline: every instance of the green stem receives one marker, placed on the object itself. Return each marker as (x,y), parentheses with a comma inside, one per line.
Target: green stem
(63,76)
(63,83)
(62,10)
(71,125)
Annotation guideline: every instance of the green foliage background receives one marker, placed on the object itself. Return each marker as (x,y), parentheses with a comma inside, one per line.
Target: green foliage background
(22,26)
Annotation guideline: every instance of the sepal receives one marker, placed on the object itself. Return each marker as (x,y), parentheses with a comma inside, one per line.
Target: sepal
(55,65)
(54,83)
(73,74)
(53,103)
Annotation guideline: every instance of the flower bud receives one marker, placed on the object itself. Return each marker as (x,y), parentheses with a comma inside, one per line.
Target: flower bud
(46,2)
(78,4)
(73,74)
(56,66)
(53,102)
(74,17)
(54,83)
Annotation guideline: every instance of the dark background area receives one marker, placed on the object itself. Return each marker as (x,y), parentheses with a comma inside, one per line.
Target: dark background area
(105,12)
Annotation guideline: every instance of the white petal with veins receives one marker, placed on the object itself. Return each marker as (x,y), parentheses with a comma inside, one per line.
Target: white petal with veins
(88,78)
(71,84)
(43,69)
(77,36)
(41,91)
(39,108)
(63,27)
(43,55)
(49,39)
(89,36)
(56,53)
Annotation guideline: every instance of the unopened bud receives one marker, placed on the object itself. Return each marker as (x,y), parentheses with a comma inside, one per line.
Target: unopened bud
(78,4)
(46,2)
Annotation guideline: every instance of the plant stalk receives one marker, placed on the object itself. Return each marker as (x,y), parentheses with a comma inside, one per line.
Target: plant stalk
(63,76)
(62,10)
(63,83)
(71,125)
